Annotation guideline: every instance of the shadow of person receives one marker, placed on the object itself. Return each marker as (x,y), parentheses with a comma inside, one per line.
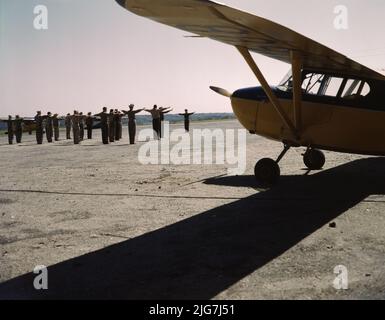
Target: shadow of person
(201,256)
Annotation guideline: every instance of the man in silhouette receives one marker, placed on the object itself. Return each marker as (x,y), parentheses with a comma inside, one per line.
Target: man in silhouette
(186,116)
(155,113)
(39,127)
(76,127)
(18,128)
(81,126)
(112,125)
(55,122)
(10,128)
(49,127)
(68,124)
(90,125)
(163,111)
(118,124)
(104,121)
(132,122)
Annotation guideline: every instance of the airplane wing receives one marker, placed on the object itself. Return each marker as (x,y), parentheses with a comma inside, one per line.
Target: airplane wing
(25,119)
(219,22)
(29,120)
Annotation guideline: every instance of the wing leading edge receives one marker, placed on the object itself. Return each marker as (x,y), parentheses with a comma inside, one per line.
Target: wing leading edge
(234,27)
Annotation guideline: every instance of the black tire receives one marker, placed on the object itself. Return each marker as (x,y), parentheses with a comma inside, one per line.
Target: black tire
(267,172)
(314,159)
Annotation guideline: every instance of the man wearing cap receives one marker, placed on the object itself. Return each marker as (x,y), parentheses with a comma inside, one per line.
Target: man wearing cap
(112,125)
(163,111)
(132,122)
(10,128)
(186,116)
(118,124)
(155,113)
(55,122)
(90,125)
(104,120)
(75,127)
(39,127)
(18,128)
(49,127)
(68,124)
(81,126)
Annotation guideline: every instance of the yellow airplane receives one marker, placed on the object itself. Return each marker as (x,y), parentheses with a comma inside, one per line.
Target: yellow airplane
(326,102)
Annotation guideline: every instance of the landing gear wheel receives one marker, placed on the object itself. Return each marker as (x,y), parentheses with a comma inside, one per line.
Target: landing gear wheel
(314,159)
(267,172)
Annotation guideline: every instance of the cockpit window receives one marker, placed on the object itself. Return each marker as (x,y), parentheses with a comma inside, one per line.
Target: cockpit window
(332,89)
(329,86)
(365,89)
(319,84)
(351,87)
(355,88)
(312,83)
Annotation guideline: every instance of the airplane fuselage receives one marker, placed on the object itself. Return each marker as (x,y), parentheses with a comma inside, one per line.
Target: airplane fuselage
(324,126)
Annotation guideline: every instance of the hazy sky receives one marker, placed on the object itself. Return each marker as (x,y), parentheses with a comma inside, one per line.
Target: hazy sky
(96,54)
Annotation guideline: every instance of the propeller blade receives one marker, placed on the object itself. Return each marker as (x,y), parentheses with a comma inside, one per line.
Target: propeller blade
(221,91)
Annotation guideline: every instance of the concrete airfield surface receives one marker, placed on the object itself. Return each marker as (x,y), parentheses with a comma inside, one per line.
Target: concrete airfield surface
(110,227)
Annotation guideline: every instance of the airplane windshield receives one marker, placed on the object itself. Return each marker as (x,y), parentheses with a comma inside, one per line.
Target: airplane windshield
(287,82)
(312,83)
(318,84)
(334,86)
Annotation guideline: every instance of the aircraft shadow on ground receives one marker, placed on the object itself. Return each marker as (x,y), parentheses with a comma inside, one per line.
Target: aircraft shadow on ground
(200,257)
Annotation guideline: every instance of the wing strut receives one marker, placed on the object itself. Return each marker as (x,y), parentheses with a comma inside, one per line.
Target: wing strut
(296,65)
(273,99)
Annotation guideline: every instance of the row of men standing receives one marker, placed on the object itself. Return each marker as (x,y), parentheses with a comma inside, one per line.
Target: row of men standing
(79,123)
(14,128)
(51,125)
(111,125)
